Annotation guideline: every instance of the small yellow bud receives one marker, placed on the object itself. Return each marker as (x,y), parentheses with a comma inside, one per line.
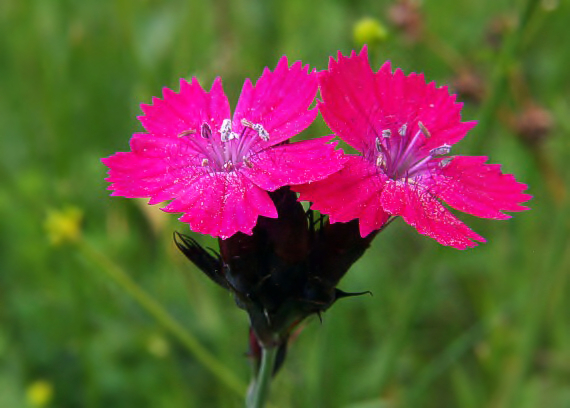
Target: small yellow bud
(63,225)
(158,346)
(39,393)
(368,30)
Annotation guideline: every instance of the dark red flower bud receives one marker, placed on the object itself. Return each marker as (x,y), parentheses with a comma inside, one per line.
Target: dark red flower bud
(287,270)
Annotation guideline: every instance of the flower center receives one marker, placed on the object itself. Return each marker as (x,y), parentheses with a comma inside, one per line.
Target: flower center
(400,156)
(229,151)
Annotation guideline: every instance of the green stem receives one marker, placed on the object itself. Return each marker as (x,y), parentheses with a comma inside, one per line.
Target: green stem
(260,387)
(163,317)
(504,63)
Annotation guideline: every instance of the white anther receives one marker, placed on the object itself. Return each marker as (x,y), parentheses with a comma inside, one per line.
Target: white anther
(445,162)
(226,130)
(205,162)
(441,150)
(386,133)
(403,130)
(263,134)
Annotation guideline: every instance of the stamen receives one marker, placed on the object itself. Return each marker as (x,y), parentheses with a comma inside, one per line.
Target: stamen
(205,162)
(226,130)
(445,162)
(380,161)
(403,157)
(247,162)
(424,130)
(186,132)
(441,150)
(228,166)
(386,133)
(206,131)
(378,144)
(263,134)
(246,123)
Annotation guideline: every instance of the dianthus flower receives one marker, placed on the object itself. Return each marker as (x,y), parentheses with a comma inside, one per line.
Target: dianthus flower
(404,129)
(218,169)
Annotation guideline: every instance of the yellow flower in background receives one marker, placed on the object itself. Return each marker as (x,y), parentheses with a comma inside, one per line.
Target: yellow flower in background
(370,31)
(39,393)
(63,225)
(158,346)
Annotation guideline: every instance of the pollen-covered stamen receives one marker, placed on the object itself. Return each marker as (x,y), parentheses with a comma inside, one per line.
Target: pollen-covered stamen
(263,134)
(226,133)
(445,162)
(440,151)
(258,127)
(225,130)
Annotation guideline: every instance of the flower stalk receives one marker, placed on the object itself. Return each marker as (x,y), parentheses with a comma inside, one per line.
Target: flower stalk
(259,388)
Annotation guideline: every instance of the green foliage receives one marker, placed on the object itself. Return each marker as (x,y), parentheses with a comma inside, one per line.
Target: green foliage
(486,327)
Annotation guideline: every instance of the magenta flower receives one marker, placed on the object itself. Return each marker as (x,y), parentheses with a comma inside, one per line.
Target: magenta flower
(404,129)
(217,169)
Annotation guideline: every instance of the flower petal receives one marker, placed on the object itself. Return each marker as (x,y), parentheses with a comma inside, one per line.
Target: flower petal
(353,192)
(157,167)
(186,110)
(359,104)
(469,185)
(221,204)
(419,208)
(295,163)
(279,101)
(349,99)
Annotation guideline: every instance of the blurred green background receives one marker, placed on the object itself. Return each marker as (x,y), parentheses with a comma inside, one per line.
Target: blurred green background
(487,327)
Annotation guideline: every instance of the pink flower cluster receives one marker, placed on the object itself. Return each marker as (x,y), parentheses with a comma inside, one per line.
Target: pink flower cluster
(217,168)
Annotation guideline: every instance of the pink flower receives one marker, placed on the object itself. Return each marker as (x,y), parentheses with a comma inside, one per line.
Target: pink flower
(404,129)
(216,168)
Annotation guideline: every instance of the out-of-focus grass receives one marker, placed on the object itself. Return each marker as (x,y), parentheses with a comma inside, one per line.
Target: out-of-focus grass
(483,328)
